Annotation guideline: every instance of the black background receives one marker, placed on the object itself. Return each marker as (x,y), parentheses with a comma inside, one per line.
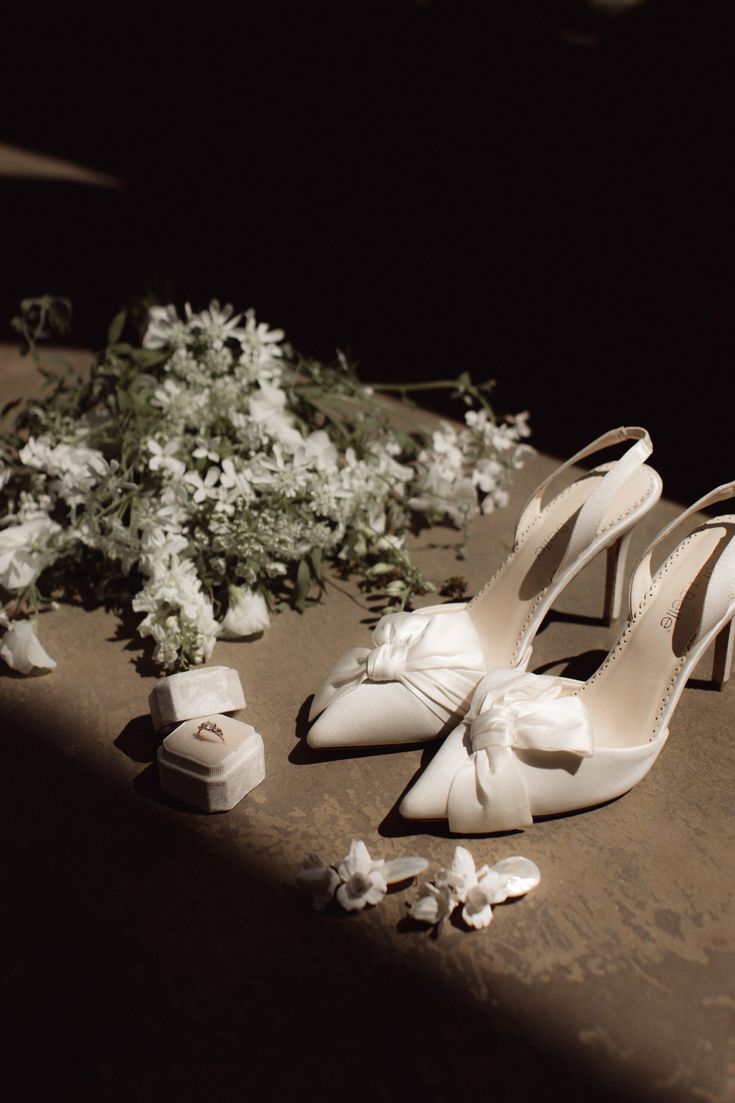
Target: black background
(540,193)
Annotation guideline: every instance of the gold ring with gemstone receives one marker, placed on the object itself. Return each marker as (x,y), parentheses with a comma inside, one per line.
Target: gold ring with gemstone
(210,726)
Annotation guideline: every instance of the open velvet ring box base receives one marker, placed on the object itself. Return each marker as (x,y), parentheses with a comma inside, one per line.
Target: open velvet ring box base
(211,762)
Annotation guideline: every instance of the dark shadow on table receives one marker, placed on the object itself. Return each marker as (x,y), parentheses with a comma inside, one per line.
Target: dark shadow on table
(156,965)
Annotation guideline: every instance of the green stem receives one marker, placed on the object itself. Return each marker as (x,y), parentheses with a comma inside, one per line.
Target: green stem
(434,385)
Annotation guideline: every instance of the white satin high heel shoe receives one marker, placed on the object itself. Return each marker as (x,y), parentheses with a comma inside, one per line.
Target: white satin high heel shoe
(417,679)
(534,745)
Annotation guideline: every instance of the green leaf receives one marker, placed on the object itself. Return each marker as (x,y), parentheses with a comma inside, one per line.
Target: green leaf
(8,407)
(303,578)
(116,327)
(149,358)
(315,557)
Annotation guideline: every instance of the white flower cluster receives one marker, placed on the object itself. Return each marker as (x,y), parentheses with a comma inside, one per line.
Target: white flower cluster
(463,472)
(212,470)
(475,890)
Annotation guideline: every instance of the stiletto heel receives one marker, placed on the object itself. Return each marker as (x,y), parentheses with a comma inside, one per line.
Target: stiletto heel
(417,680)
(722,663)
(616,557)
(534,745)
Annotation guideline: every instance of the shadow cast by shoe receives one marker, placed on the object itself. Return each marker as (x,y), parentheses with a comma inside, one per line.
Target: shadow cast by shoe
(709,685)
(580,667)
(578,811)
(559,617)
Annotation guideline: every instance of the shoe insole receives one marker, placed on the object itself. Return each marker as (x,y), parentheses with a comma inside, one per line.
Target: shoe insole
(520,591)
(628,694)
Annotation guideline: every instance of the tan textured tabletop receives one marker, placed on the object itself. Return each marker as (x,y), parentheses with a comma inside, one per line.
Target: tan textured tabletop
(156,952)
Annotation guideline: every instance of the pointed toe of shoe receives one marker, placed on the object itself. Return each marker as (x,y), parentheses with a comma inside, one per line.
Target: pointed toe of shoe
(428,797)
(427,801)
(415,806)
(328,730)
(374,714)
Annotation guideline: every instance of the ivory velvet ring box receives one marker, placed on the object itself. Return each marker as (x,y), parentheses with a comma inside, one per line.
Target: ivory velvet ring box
(193,693)
(211,762)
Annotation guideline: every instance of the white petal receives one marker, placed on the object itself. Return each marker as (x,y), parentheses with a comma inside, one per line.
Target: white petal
(313,861)
(426,910)
(477,919)
(494,886)
(358,858)
(314,878)
(400,869)
(464,864)
(377,890)
(350,903)
(520,874)
(21,649)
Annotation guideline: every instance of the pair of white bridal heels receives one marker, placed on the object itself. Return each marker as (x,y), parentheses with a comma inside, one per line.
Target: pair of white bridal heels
(522,745)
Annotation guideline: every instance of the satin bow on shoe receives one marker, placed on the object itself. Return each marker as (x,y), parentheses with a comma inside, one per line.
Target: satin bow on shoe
(434,653)
(513,717)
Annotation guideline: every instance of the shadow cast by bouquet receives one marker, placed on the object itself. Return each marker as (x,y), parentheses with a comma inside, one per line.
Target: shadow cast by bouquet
(127,629)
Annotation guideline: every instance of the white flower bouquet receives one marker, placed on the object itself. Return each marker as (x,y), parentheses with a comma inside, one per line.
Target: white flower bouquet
(205,472)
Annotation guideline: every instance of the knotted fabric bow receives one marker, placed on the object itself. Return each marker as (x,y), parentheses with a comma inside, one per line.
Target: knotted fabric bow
(434,652)
(512,712)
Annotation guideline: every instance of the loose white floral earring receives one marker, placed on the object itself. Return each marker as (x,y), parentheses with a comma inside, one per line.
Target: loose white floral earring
(477,890)
(357,880)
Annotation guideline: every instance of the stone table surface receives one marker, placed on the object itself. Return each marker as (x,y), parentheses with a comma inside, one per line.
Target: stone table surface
(155,952)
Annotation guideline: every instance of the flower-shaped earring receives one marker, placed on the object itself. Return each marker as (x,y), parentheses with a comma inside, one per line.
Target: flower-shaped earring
(477,890)
(357,880)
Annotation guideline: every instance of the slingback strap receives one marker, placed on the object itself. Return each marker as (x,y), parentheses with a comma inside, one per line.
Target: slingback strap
(590,516)
(720,587)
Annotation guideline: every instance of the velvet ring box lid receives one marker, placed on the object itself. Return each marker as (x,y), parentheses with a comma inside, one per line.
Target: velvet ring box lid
(211,762)
(198,692)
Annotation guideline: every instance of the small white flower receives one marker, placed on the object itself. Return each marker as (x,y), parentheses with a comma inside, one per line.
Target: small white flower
(218,324)
(204,488)
(521,423)
(434,905)
(204,451)
(268,410)
(164,459)
(21,649)
(165,329)
(358,879)
(316,451)
(319,879)
(24,552)
(462,874)
(247,613)
(260,345)
(235,481)
(362,880)
(477,911)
